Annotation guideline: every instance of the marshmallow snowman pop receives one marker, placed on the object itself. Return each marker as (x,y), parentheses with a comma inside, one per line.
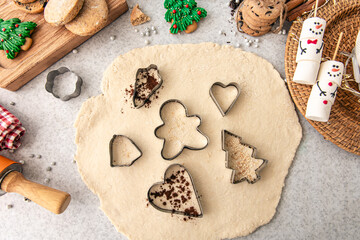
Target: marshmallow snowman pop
(310,49)
(323,93)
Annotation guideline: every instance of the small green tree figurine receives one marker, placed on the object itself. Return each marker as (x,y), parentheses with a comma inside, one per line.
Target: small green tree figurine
(15,35)
(183,13)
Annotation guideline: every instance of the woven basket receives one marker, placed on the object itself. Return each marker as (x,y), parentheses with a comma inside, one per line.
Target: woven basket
(343,127)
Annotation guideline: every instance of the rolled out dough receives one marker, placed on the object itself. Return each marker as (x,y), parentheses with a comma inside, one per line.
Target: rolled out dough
(263,116)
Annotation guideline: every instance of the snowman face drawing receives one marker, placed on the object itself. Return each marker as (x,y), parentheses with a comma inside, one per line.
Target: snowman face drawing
(331,70)
(313,28)
(317,28)
(334,71)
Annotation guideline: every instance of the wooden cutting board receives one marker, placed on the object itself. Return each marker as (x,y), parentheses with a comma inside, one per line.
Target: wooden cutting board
(50,43)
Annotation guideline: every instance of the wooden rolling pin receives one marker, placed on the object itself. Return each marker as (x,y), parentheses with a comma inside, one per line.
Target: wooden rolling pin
(12,180)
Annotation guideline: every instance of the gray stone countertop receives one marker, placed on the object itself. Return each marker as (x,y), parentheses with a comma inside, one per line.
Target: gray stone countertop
(321,197)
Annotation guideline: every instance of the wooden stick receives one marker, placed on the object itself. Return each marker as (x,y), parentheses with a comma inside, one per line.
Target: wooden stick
(294,3)
(316,7)
(337,46)
(305,7)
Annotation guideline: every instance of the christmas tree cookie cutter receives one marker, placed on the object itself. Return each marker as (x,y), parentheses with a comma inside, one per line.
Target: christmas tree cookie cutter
(148,81)
(113,155)
(49,86)
(172,195)
(184,146)
(224,112)
(251,168)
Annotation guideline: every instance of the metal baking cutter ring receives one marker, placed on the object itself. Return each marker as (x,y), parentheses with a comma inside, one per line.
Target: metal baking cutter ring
(175,211)
(142,70)
(112,155)
(50,83)
(253,155)
(232,84)
(185,146)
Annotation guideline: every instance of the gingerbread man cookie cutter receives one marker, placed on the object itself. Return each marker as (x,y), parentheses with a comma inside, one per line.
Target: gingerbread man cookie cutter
(184,146)
(49,86)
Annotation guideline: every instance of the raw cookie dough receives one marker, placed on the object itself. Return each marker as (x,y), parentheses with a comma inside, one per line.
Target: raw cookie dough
(264,117)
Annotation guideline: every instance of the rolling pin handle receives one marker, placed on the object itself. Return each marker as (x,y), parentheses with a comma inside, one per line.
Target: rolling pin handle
(53,200)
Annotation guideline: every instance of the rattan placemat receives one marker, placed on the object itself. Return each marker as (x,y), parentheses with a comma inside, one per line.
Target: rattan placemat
(343,127)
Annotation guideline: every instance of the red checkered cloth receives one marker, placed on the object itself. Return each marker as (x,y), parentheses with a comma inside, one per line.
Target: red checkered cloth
(11,130)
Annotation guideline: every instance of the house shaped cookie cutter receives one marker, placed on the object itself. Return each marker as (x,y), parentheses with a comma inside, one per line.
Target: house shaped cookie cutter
(112,155)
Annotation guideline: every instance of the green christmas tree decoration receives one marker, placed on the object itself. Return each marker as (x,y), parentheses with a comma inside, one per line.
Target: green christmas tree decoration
(182,13)
(13,34)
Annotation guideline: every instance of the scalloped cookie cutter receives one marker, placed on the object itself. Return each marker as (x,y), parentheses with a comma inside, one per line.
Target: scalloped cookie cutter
(50,83)
(232,84)
(143,99)
(173,193)
(184,146)
(246,165)
(112,154)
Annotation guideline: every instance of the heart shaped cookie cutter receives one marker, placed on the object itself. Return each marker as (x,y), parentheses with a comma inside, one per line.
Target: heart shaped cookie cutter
(232,84)
(185,146)
(50,83)
(176,193)
(111,149)
(233,179)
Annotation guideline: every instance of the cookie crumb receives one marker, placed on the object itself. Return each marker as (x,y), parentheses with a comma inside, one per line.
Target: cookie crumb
(137,17)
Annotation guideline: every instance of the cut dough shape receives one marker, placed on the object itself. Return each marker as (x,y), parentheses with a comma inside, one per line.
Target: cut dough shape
(224,96)
(177,194)
(264,116)
(240,157)
(179,130)
(123,151)
(148,81)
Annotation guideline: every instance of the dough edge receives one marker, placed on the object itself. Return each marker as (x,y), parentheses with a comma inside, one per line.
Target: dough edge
(83,118)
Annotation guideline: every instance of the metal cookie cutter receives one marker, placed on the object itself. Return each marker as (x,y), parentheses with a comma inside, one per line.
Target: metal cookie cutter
(138,84)
(50,83)
(111,144)
(185,146)
(253,154)
(176,200)
(232,84)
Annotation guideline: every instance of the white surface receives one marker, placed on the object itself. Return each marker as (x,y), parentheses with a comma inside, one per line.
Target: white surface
(321,196)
